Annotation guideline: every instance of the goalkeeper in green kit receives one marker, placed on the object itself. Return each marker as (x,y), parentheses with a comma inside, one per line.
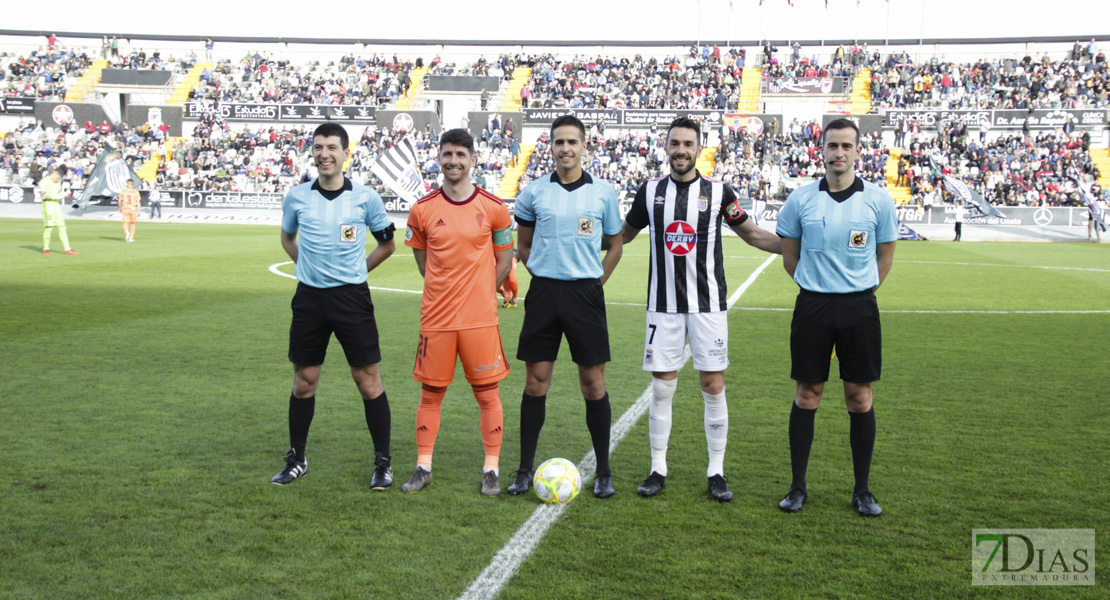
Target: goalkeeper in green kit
(51,189)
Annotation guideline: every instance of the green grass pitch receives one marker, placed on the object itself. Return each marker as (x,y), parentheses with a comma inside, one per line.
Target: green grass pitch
(144,411)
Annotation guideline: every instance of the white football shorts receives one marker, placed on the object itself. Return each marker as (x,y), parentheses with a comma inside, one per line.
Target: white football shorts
(666,335)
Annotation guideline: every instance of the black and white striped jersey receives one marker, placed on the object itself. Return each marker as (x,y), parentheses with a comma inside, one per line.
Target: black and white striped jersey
(687,272)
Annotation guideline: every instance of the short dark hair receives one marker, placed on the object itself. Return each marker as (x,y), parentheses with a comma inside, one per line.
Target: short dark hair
(61,169)
(840,124)
(333,129)
(568,120)
(685,123)
(457,137)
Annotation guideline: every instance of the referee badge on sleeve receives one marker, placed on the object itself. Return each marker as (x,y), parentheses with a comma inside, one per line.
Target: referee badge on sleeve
(857,238)
(348,233)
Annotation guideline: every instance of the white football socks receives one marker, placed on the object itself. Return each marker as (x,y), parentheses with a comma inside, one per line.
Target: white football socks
(716,431)
(659,421)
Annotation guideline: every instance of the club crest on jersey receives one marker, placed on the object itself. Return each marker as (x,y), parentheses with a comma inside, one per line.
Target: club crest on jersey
(479,217)
(857,238)
(680,238)
(703,203)
(348,233)
(586,226)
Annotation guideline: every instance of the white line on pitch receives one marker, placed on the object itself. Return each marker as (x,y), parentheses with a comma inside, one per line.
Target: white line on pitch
(524,541)
(963,264)
(957,312)
(274,269)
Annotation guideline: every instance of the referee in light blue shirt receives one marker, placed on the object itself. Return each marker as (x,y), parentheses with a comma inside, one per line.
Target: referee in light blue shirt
(562,220)
(331,216)
(838,237)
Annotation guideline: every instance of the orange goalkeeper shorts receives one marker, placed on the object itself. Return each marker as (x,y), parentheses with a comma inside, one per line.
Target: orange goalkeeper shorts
(480,350)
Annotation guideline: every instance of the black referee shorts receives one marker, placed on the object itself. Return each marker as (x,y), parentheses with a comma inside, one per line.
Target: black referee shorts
(345,310)
(850,322)
(554,307)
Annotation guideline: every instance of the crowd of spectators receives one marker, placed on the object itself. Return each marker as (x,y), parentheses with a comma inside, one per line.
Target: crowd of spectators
(765,165)
(30,149)
(1081,80)
(216,157)
(1010,170)
(45,73)
(259,78)
(844,62)
(705,78)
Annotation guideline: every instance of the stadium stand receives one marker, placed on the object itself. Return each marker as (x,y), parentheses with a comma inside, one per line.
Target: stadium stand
(1006,167)
(1007,82)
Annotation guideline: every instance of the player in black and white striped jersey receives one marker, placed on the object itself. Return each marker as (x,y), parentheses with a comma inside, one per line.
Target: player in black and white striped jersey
(687,294)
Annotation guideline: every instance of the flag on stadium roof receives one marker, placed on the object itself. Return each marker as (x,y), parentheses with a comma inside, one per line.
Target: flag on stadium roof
(397,168)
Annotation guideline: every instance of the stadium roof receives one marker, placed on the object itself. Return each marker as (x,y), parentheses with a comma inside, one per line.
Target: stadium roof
(579,22)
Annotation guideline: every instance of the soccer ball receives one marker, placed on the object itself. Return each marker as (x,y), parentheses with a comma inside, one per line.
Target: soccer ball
(557,481)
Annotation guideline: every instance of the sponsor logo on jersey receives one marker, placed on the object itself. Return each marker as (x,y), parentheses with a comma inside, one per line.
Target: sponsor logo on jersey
(586,226)
(648,355)
(660,199)
(680,238)
(440,223)
(857,238)
(348,233)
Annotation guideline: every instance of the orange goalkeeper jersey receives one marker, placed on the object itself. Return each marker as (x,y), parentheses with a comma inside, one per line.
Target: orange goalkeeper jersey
(460,239)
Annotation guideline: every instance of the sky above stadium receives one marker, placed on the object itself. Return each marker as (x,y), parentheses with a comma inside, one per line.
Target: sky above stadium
(577,20)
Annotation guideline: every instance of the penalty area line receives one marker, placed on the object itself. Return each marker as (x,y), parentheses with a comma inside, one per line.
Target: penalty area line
(507,560)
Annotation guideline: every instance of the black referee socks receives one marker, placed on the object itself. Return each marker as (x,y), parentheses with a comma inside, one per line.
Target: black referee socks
(599,418)
(533,411)
(378,421)
(301,411)
(801,439)
(861,436)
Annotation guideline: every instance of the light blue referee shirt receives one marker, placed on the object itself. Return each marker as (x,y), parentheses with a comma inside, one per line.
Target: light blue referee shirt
(331,241)
(838,237)
(569,222)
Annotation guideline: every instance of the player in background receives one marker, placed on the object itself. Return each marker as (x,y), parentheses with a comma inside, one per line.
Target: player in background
(50,188)
(323,229)
(129,201)
(461,237)
(687,295)
(511,288)
(562,220)
(838,236)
